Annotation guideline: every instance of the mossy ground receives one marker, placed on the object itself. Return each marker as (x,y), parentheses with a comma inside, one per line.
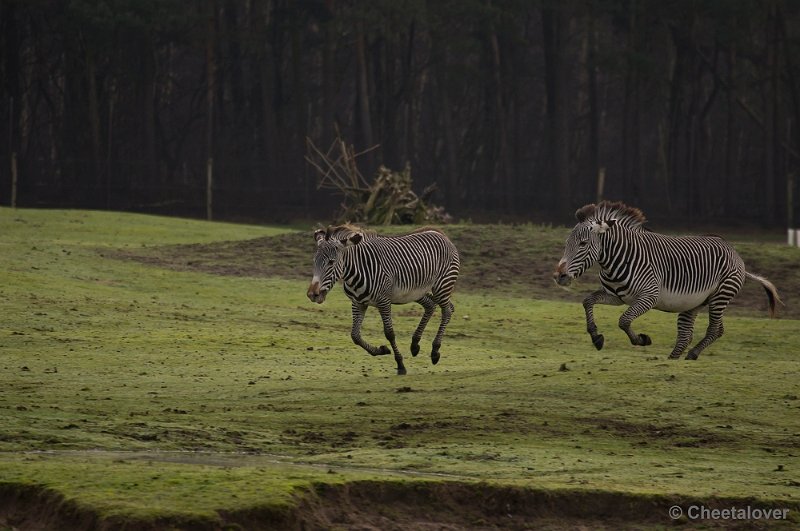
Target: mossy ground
(198,379)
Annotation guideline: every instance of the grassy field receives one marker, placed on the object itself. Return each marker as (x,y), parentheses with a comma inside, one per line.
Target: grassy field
(163,372)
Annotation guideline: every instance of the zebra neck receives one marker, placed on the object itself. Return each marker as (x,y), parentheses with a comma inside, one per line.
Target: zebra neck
(615,249)
(353,276)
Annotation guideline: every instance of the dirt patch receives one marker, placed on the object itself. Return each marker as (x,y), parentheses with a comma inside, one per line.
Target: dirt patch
(516,260)
(396,505)
(667,435)
(34,508)
(501,259)
(399,506)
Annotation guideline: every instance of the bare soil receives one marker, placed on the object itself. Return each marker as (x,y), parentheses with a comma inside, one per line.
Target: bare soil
(514,260)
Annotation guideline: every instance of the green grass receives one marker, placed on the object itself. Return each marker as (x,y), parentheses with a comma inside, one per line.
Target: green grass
(142,391)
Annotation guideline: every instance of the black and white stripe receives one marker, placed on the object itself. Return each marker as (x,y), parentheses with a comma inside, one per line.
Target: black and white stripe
(380,271)
(647,270)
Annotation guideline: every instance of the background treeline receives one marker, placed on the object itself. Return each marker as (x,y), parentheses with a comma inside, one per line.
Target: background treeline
(686,108)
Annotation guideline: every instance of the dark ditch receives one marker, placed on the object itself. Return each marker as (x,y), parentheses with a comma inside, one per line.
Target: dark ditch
(400,505)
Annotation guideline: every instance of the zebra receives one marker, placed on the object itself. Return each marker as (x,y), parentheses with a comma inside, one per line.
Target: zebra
(379,271)
(647,270)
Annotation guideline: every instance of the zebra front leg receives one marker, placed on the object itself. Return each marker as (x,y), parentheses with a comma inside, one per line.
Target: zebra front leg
(685,332)
(447,312)
(598,297)
(359,310)
(429,306)
(638,308)
(385,308)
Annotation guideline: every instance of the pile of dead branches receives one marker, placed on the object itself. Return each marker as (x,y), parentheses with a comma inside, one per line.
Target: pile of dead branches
(387,200)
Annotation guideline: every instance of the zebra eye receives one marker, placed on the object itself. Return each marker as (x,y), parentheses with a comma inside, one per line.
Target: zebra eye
(331,261)
(583,243)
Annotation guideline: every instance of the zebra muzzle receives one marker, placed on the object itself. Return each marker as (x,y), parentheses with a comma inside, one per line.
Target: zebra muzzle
(315,294)
(562,279)
(560,275)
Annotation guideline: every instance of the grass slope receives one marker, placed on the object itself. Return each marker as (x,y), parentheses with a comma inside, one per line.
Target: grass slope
(143,392)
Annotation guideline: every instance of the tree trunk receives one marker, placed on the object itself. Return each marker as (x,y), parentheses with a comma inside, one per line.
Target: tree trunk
(502,168)
(267,74)
(234,58)
(454,193)
(730,174)
(299,102)
(149,112)
(594,111)
(364,115)
(770,121)
(328,82)
(793,196)
(94,124)
(554,25)
(674,119)
(632,179)
(211,71)
(10,29)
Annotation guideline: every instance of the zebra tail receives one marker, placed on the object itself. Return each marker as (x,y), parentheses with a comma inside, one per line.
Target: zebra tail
(772,292)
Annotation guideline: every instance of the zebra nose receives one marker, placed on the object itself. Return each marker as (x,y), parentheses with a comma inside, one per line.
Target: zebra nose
(562,279)
(313,291)
(560,274)
(315,294)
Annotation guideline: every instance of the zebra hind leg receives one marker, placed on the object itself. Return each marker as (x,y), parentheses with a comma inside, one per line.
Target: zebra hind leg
(716,307)
(714,330)
(685,332)
(447,312)
(385,309)
(429,306)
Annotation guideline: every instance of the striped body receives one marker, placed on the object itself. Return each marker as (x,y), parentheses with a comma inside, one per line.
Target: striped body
(647,270)
(682,271)
(400,268)
(380,271)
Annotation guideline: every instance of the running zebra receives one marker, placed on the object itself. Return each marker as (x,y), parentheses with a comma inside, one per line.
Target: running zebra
(646,270)
(384,270)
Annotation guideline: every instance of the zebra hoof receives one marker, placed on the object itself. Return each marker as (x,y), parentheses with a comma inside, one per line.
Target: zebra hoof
(675,356)
(597,341)
(435,357)
(401,371)
(383,350)
(692,356)
(644,340)
(414,349)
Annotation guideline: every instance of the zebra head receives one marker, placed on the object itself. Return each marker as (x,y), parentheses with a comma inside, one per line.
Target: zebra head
(328,261)
(582,247)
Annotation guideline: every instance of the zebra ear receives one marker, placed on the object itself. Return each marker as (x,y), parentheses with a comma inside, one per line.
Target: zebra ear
(354,239)
(319,235)
(600,227)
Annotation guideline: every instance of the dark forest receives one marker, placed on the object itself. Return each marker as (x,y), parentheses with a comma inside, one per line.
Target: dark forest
(514,109)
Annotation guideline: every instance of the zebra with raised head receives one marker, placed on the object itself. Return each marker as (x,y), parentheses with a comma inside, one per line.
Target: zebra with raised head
(647,270)
(384,270)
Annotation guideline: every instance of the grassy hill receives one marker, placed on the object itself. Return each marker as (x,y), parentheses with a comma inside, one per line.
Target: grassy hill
(160,372)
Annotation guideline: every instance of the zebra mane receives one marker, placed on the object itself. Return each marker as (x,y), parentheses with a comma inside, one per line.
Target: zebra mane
(625,215)
(342,232)
(426,228)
